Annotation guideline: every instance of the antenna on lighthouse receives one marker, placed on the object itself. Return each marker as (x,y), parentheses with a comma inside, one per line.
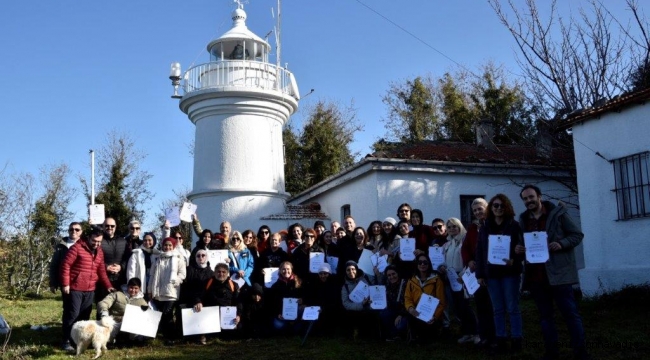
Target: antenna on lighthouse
(278,44)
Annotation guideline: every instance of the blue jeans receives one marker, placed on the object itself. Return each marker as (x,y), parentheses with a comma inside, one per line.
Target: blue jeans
(504,293)
(544,295)
(387,317)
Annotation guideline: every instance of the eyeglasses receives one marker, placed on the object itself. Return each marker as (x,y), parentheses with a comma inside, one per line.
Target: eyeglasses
(423,262)
(200,255)
(110,226)
(179,238)
(236,239)
(74,229)
(497,205)
(135,228)
(438,227)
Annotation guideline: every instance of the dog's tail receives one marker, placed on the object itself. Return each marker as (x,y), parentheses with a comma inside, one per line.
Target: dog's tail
(107,321)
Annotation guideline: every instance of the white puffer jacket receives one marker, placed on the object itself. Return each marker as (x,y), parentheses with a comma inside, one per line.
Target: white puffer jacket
(167,275)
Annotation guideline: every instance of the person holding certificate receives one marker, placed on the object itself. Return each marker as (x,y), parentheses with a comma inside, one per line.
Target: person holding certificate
(552,280)
(452,268)
(425,281)
(220,291)
(482,300)
(354,253)
(502,275)
(324,293)
(394,316)
(204,242)
(301,258)
(241,259)
(358,316)
(288,286)
(198,274)
(421,232)
(405,268)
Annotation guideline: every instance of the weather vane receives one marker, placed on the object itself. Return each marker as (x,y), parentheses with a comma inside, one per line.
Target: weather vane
(240,3)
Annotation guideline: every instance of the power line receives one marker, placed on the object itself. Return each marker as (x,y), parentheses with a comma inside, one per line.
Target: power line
(417,38)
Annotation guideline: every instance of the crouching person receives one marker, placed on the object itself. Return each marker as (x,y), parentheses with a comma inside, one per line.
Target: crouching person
(114,304)
(220,291)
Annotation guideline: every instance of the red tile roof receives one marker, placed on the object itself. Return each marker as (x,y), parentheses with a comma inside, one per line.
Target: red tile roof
(471,153)
(617,104)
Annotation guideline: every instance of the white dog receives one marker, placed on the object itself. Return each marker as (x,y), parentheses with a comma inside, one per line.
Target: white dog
(99,333)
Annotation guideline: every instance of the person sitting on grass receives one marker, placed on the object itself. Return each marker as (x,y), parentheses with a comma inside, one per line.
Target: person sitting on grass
(114,304)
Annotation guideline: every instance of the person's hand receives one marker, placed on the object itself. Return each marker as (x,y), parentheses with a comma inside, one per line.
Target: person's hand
(555,246)
(167,225)
(508,262)
(431,321)
(198,307)
(299,301)
(481,282)
(472,265)
(236,321)
(228,261)
(383,252)
(366,301)
(375,270)
(414,312)
(520,249)
(66,290)
(117,268)
(112,290)
(280,317)
(443,269)
(241,273)
(398,319)
(195,217)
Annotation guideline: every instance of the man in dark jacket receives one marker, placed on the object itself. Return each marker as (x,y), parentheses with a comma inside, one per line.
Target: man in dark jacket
(116,256)
(60,250)
(554,279)
(81,270)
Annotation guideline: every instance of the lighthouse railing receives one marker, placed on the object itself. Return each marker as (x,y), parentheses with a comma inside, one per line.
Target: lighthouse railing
(239,73)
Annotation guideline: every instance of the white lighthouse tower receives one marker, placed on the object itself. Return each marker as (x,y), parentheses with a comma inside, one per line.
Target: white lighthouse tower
(239,103)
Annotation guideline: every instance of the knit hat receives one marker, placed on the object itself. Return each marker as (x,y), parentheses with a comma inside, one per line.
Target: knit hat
(319,222)
(352,263)
(390,220)
(171,240)
(325,268)
(257,289)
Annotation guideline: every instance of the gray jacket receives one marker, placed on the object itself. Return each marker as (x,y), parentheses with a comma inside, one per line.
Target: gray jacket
(561,265)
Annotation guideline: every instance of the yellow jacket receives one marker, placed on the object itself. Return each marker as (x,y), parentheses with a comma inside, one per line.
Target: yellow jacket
(432,286)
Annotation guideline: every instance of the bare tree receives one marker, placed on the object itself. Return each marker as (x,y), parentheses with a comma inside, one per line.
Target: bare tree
(573,63)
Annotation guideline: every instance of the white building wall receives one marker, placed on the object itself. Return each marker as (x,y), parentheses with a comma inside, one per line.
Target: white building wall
(616,252)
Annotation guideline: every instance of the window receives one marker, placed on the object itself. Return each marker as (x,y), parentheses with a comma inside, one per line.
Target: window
(345,211)
(632,186)
(466,215)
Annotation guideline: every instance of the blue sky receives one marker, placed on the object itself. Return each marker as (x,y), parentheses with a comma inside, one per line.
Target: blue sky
(74,71)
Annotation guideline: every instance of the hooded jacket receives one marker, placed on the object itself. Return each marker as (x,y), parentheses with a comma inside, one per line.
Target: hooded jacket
(167,275)
(433,286)
(348,287)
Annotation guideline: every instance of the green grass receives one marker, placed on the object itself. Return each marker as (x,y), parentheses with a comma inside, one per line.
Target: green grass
(617,326)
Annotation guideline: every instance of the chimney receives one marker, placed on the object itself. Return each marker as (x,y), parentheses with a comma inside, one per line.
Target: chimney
(485,134)
(543,139)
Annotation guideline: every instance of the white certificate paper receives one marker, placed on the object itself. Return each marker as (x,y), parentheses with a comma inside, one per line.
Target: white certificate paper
(316,260)
(290,308)
(470,282)
(359,293)
(453,280)
(238,280)
(380,262)
(228,315)
(333,261)
(377,297)
(204,322)
(498,249)
(136,321)
(270,276)
(96,214)
(217,257)
(365,262)
(311,313)
(187,211)
(426,307)
(407,249)
(173,216)
(437,256)
(536,247)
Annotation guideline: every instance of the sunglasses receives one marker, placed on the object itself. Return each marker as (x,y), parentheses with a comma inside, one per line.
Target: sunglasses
(179,238)
(236,239)
(135,228)
(265,232)
(74,229)
(423,262)
(200,255)
(497,206)
(438,227)
(110,226)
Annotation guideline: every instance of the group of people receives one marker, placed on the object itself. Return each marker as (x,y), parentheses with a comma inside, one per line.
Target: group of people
(131,270)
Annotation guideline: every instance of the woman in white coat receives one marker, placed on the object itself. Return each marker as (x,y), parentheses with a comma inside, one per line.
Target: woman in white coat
(139,264)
